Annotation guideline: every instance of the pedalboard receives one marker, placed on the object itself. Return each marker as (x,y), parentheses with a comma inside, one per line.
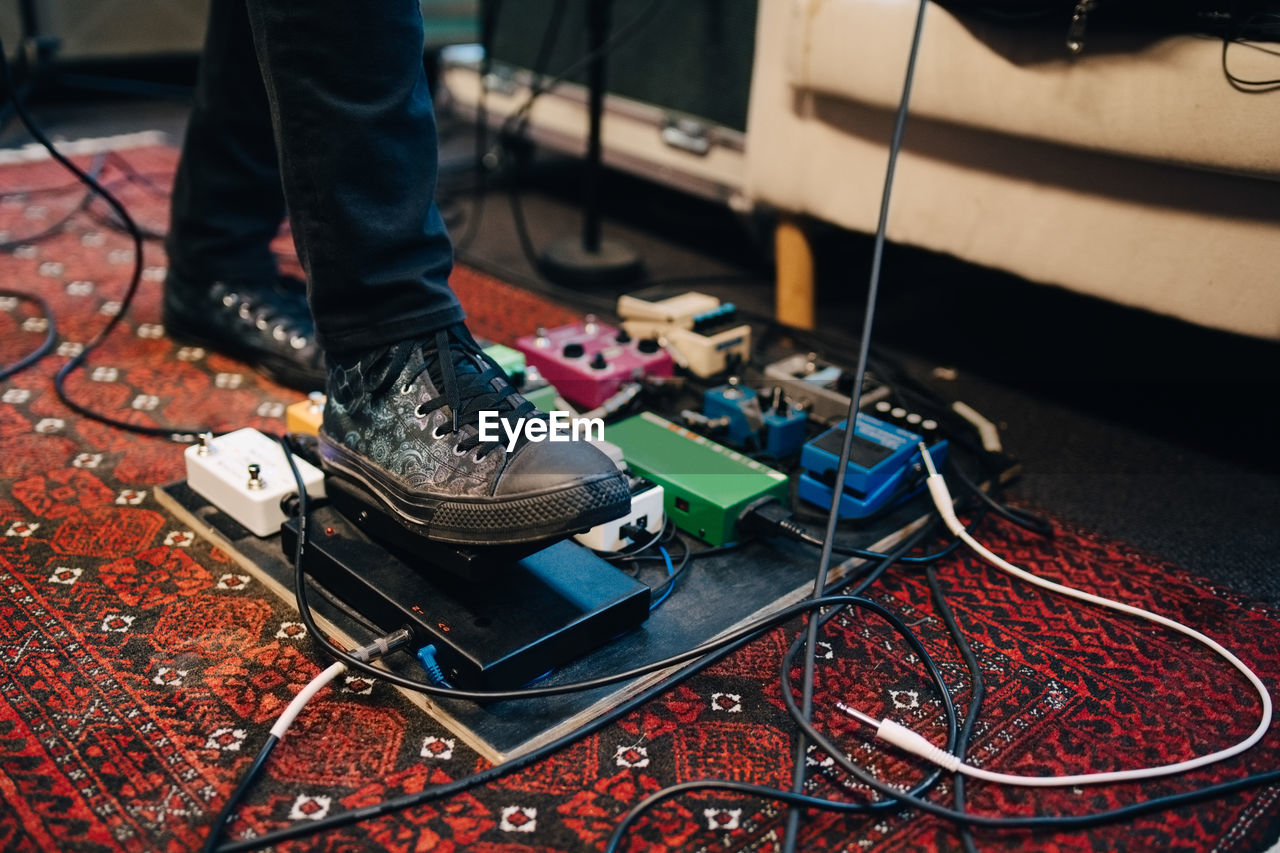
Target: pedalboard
(589,362)
(822,388)
(884,466)
(246,475)
(705,336)
(706,485)
(537,613)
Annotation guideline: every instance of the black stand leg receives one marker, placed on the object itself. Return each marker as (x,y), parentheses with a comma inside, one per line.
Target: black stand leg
(593,260)
(32,56)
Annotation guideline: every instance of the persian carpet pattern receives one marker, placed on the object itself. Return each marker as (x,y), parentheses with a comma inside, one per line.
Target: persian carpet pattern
(140,668)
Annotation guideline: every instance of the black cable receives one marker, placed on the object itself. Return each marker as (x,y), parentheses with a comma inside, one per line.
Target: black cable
(50,335)
(799,644)
(538,70)
(1239,38)
(956,815)
(769,517)
(1014,515)
(855,395)
(853,587)
(303,829)
(59,379)
(632,550)
(246,782)
(140,178)
(546,84)
(977,692)
(51,230)
(95,169)
(35,191)
(1239,83)
(1012,823)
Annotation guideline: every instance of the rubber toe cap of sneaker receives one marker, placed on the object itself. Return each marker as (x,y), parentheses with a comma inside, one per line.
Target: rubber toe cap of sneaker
(548,465)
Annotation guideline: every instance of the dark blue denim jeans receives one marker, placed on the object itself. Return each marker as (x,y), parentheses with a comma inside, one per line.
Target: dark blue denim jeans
(320,107)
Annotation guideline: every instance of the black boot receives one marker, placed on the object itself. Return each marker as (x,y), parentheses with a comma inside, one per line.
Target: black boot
(265,324)
(402,424)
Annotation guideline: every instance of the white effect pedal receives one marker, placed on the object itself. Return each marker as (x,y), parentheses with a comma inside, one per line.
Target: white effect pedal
(245,474)
(646,512)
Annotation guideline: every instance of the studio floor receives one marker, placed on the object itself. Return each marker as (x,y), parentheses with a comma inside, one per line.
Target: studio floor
(1150,441)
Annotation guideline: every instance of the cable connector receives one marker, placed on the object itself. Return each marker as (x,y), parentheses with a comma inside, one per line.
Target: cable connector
(427,657)
(905,739)
(382,646)
(632,531)
(940,493)
(768,517)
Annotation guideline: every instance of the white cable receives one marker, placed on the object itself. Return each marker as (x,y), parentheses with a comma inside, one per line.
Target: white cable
(898,735)
(300,701)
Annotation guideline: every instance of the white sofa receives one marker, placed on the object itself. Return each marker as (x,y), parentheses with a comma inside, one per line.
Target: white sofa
(1133,172)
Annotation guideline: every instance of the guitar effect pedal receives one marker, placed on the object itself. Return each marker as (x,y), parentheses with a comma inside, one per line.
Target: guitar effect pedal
(588,362)
(704,336)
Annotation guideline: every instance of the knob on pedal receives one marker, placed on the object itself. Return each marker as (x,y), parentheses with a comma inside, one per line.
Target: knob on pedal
(573,350)
(648,346)
(598,363)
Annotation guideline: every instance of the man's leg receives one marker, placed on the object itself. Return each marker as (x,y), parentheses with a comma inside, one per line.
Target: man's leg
(407,384)
(223,288)
(358,149)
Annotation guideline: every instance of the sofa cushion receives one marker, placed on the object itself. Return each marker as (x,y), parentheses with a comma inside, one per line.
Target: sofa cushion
(1163,99)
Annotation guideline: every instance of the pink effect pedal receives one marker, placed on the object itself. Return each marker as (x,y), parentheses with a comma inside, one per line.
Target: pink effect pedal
(588,362)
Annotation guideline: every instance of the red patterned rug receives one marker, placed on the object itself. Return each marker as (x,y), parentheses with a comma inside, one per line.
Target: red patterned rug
(140,669)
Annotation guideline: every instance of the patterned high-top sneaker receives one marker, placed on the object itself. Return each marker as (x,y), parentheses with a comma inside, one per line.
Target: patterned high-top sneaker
(402,424)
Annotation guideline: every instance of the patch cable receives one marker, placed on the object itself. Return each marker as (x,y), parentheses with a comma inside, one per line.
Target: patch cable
(912,742)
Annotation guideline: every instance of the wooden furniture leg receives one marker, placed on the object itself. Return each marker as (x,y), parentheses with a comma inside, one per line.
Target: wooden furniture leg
(794,288)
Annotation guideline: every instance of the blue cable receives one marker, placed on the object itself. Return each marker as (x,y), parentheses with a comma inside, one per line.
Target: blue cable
(671,572)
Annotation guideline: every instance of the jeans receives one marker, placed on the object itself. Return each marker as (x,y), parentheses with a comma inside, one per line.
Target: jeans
(320,107)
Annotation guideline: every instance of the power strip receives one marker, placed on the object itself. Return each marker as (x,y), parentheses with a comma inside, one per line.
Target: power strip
(245,474)
(646,512)
(706,486)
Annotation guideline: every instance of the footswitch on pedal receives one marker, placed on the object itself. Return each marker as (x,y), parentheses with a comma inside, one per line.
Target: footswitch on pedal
(245,474)
(536,614)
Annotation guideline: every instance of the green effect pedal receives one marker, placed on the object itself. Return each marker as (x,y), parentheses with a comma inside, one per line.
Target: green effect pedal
(544,398)
(706,485)
(510,360)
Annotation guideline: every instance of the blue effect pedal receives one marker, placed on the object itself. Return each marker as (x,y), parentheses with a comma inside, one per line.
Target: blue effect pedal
(777,431)
(884,466)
